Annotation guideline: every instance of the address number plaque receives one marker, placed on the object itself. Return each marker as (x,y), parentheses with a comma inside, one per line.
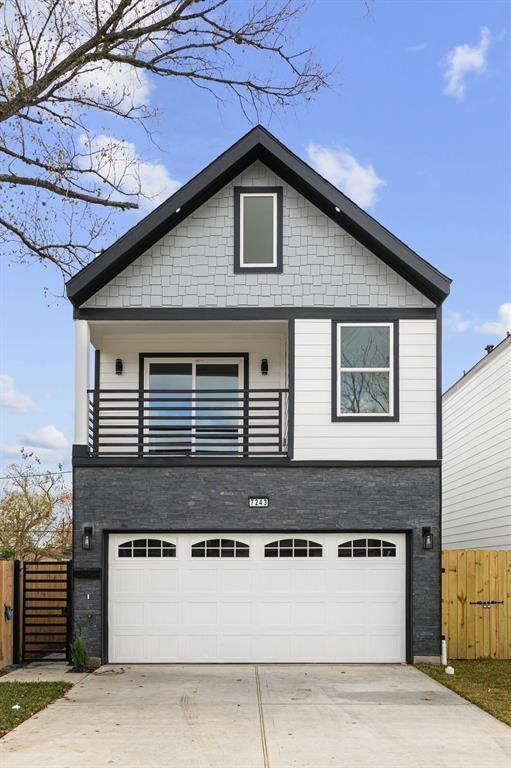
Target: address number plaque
(258,501)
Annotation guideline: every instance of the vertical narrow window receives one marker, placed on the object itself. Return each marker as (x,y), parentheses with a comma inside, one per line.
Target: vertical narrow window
(258,229)
(365,371)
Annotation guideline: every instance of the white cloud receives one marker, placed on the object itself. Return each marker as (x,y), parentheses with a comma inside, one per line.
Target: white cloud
(115,83)
(417,48)
(464,60)
(47,443)
(9,451)
(455,323)
(498,327)
(359,182)
(119,162)
(46,437)
(11,399)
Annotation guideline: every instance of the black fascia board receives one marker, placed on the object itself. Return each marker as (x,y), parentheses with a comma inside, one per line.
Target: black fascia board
(261,145)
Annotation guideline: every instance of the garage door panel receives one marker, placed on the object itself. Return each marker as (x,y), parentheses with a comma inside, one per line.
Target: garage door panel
(130,646)
(199,647)
(235,581)
(128,614)
(162,613)
(309,580)
(257,608)
(269,614)
(161,581)
(349,581)
(346,613)
(309,614)
(128,582)
(196,614)
(305,647)
(235,614)
(158,647)
(273,580)
(382,647)
(273,647)
(390,584)
(235,647)
(200,580)
(385,613)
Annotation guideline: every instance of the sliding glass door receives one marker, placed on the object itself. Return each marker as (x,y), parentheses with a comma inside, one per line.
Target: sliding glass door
(194,406)
(218,414)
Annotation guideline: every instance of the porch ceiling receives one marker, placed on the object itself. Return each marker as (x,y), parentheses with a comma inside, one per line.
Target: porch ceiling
(100,328)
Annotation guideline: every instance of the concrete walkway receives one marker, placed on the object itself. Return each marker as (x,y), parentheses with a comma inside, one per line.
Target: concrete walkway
(242,716)
(42,672)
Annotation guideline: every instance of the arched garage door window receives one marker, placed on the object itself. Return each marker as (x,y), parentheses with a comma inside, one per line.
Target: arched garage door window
(367,548)
(293,548)
(220,548)
(147,548)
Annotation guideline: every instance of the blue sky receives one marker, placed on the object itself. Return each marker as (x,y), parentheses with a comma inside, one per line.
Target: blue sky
(416,126)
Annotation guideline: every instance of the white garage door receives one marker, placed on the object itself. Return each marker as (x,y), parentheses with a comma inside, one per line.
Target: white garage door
(256,597)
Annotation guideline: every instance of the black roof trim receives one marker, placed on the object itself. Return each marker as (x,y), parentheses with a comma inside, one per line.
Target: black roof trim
(140,314)
(258,144)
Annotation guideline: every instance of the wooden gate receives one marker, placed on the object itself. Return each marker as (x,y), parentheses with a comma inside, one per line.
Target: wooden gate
(476,603)
(46,611)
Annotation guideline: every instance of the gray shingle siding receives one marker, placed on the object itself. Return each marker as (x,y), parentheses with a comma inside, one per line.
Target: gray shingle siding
(304,498)
(192,266)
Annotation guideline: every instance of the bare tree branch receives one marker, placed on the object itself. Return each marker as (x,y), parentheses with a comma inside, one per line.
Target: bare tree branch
(64,64)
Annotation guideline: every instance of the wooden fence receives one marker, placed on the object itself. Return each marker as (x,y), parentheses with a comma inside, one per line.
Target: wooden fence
(6,619)
(41,607)
(476,603)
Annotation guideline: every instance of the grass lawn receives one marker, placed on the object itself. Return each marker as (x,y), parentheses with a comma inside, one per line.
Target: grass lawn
(485,682)
(32,697)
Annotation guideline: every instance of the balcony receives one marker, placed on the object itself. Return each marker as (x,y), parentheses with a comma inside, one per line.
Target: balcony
(192,423)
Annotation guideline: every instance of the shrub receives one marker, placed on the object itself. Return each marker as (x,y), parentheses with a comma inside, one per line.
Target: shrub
(79,655)
(6,553)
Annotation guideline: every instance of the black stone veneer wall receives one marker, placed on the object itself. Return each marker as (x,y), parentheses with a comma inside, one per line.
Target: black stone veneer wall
(301,498)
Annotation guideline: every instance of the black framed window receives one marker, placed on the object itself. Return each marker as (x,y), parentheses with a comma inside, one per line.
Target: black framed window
(220,548)
(366,548)
(147,548)
(365,371)
(293,548)
(258,229)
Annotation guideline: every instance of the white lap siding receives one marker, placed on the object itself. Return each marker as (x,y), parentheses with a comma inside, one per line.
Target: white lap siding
(477,457)
(413,437)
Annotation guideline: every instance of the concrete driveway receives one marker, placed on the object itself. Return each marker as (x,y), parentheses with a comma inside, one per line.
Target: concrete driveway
(243,716)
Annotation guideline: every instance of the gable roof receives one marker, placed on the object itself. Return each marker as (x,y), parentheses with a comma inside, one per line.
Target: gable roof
(258,144)
(492,352)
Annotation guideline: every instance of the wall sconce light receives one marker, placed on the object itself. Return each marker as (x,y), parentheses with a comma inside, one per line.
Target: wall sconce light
(118,366)
(264,367)
(87,533)
(427,537)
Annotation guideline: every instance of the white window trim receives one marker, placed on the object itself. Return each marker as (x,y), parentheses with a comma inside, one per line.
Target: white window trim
(389,370)
(258,265)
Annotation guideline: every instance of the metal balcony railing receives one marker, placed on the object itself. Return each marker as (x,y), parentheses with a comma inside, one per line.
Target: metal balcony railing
(174,422)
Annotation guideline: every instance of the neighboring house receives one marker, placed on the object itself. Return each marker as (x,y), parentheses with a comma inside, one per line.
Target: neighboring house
(257,465)
(476,487)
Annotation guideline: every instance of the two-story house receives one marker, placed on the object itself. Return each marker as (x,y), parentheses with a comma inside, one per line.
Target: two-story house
(257,461)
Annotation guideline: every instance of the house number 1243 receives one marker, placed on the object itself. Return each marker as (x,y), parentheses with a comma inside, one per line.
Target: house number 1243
(258,501)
